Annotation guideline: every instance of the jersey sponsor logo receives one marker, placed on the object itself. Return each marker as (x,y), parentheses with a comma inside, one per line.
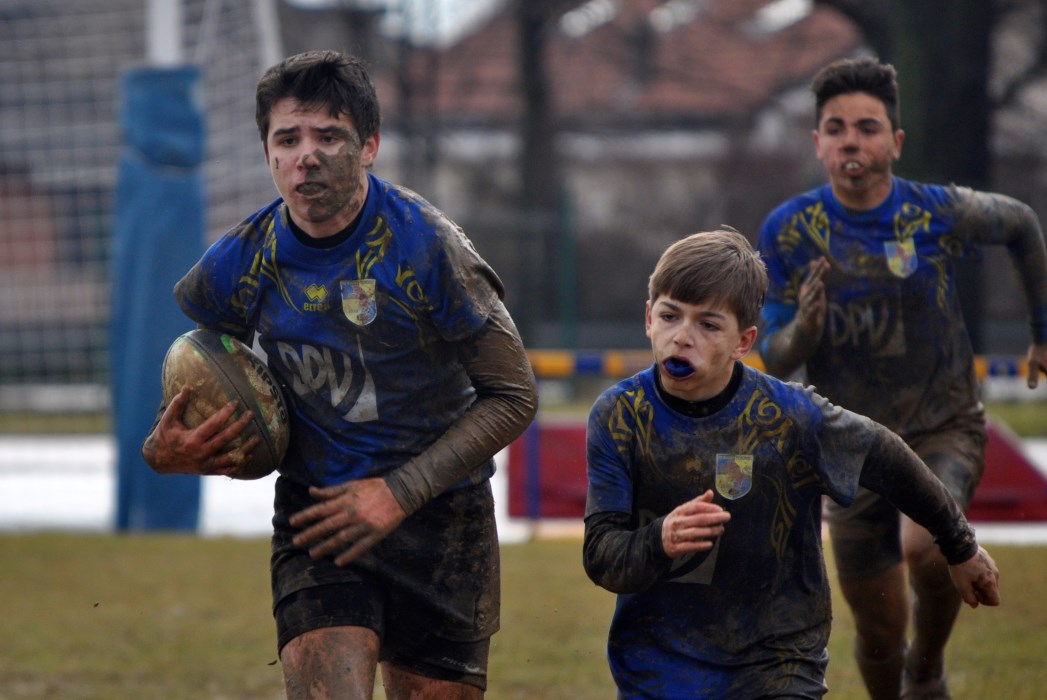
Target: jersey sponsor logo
(341,379)
(317,295)
(359,302)
(734,475)
(901,257)
(873,324)
(316,292)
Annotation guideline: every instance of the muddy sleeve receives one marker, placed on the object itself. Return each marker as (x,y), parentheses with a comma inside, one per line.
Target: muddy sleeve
(991,218)
(506,402)
(894,471)
(620,559)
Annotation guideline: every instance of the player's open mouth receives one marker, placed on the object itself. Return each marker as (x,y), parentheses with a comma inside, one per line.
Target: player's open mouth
(678,368)
(308,189)
(852,167)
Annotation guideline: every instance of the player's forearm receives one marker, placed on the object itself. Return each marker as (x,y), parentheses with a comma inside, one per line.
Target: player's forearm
(1029,253)
(895,472)
(505,405)
(1013,223)
(489,425)
(620,559)
(788,349)
(1030,258)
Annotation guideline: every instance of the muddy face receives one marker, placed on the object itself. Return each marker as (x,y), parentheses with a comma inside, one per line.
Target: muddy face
(319,165)
(857,146)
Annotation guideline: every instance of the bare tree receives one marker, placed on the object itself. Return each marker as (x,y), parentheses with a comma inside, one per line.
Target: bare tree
(541,176)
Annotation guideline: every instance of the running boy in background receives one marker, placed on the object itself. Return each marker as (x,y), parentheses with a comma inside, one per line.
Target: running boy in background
(405,376)
(863,292)
(706,479)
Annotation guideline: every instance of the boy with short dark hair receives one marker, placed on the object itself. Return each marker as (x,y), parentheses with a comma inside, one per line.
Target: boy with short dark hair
(405,376)
(863,300)
(705,485)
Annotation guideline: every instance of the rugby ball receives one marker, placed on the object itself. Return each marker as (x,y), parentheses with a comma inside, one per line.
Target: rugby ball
(218,369)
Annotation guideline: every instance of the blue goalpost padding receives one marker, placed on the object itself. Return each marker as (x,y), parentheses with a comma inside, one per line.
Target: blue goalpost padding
(159,233)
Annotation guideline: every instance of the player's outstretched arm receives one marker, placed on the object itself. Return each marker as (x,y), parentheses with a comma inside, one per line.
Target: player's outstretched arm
(996,219)
(894,471)
(1037,361)
(977,579)
(173,448)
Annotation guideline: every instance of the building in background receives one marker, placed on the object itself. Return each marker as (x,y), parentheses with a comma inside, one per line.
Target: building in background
(572,146)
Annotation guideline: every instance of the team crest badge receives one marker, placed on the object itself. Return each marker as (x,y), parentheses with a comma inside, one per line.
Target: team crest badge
(901,257)
(734,475)
(358,301)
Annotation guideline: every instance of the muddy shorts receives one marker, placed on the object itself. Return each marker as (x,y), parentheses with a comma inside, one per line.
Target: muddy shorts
(429,590)
(866,536)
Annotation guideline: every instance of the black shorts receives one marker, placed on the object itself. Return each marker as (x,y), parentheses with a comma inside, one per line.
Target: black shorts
(866,536)
(429,590)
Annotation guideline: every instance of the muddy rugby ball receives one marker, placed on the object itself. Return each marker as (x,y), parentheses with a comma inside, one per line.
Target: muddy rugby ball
(218,369)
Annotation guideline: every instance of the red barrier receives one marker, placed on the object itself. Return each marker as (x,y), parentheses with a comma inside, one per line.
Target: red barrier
(1012,488)
(547,472)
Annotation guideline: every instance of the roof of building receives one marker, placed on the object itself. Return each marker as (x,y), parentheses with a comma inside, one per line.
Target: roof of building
(624,62)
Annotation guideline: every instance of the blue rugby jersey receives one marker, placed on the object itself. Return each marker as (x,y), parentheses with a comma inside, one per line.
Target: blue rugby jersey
(363,335)
(726,622)
(895,346)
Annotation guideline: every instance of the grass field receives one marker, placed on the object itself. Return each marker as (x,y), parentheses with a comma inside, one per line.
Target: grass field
(165,617)
(174,617)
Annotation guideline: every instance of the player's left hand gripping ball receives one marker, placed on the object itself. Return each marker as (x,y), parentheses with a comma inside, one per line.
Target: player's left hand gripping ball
(218,369)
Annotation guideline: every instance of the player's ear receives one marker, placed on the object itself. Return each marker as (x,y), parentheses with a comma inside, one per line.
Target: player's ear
(899,137)
(745,343)
(369,150)
(647,318)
